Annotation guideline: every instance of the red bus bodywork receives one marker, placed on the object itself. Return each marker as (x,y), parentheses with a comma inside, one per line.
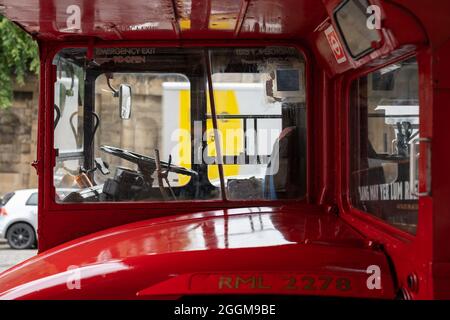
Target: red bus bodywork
(136,250)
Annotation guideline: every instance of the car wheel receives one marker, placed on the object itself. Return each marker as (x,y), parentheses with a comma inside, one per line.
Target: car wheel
(20,236)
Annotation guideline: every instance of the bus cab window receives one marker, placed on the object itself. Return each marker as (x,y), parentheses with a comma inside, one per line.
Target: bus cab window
(68,119)
(261,110)
(384,121)
(136,124)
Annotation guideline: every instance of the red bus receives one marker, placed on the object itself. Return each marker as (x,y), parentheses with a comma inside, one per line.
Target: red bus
(239,147)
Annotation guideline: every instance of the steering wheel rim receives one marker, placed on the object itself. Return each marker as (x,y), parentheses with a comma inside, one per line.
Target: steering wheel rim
(138,159)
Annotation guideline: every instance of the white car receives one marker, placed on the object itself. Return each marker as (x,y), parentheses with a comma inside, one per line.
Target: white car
(18,218)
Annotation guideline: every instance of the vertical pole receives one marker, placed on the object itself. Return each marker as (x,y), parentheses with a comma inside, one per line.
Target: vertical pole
(88,122)
(214,121)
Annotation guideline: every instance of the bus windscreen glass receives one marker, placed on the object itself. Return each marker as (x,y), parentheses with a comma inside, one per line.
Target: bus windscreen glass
(165,149)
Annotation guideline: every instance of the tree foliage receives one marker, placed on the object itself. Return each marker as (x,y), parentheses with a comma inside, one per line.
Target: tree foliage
(18,57)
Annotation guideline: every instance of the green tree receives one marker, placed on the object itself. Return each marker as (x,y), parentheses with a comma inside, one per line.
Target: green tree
(18,57)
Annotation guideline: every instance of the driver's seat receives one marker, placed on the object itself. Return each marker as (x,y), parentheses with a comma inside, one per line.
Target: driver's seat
(282,174)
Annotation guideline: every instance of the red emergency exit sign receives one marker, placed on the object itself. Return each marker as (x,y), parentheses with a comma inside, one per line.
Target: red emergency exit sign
(335,44)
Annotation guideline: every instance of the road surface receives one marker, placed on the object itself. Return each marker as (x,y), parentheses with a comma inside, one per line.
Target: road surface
(10,257)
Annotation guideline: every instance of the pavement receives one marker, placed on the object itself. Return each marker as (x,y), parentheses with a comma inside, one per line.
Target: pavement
(10,257)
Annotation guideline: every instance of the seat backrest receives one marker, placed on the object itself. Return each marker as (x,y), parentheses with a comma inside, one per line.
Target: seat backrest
(280,178)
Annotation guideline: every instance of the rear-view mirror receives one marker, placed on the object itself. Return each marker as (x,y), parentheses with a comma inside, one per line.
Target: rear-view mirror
(125,101)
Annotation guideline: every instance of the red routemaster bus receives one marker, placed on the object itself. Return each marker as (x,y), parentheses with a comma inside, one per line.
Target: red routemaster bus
(239,147)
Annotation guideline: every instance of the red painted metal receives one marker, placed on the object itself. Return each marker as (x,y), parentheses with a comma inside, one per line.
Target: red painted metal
(188,254)
(167,19)
(162,255)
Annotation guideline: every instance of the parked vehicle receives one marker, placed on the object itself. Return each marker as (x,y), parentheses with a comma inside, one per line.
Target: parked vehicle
(18,218)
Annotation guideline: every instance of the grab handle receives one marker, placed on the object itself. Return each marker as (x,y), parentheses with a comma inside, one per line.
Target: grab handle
(413,167)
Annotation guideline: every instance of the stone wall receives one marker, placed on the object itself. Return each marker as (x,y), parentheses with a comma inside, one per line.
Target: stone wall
(18,132)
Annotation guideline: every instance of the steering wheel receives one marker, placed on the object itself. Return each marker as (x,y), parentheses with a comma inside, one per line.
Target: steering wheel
(149,163)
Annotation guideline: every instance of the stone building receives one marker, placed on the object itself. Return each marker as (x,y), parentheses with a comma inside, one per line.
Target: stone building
(18,132)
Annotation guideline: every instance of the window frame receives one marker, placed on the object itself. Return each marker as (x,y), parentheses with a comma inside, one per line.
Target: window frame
(355,130)
(350,212)
(75,153)
(50,202)
(8,196)
(30,198)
